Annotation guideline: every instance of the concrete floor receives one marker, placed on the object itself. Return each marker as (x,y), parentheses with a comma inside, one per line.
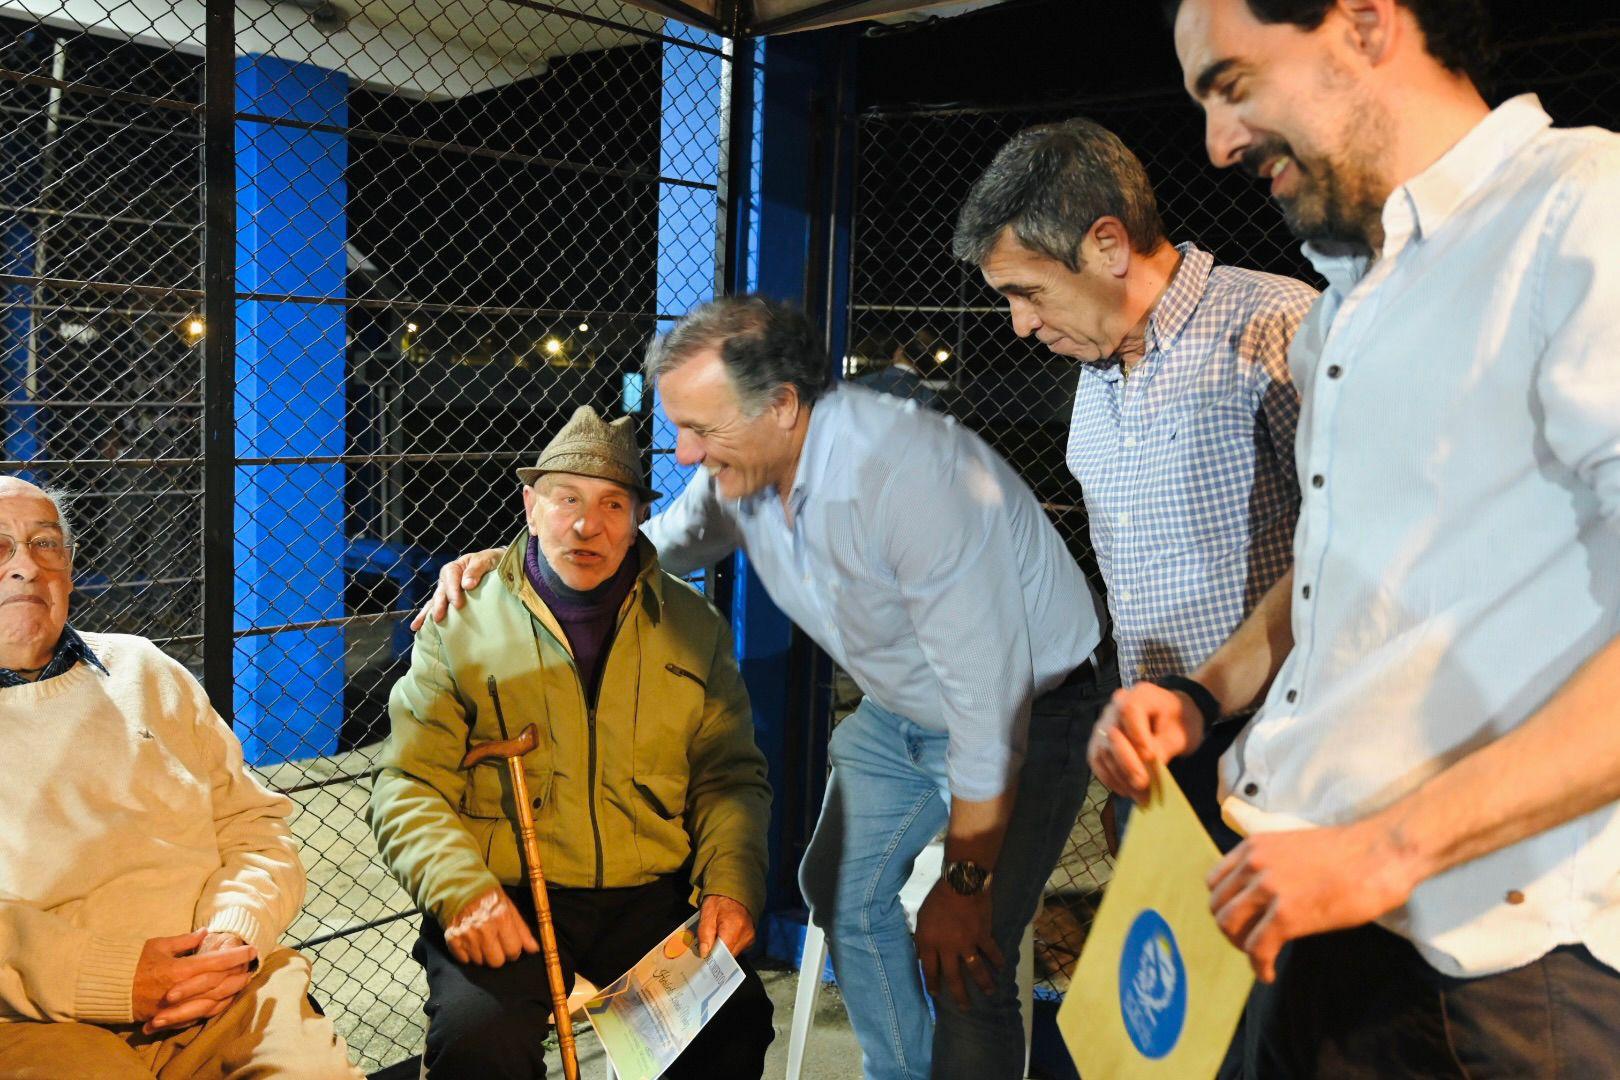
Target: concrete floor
(373,990)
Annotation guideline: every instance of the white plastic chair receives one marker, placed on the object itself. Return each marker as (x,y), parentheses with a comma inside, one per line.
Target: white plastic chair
(813,962)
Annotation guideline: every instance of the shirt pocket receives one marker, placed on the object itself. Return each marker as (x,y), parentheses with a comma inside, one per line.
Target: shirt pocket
(1204,482)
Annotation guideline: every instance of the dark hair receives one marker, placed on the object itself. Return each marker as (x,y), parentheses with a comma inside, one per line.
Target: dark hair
(765,345)
(1049,185)
(1455,32)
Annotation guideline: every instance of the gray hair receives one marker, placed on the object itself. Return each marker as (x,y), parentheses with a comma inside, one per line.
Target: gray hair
(1049,185)
(58,499)
(765,345)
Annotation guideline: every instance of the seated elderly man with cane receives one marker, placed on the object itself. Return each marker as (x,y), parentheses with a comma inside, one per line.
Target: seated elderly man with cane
(145,875)
(644,787)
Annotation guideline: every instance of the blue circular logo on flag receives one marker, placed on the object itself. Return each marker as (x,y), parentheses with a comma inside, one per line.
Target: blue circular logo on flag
(1152,986)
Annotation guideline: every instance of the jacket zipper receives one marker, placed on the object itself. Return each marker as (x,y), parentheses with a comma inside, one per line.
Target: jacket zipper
(590,716)
(590,728)
(676,669)
(590,788)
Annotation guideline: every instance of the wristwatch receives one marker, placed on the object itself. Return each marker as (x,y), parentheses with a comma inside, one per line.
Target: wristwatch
(967,878)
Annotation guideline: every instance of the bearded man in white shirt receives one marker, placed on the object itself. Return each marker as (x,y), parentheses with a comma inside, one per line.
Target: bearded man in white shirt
(1432,875)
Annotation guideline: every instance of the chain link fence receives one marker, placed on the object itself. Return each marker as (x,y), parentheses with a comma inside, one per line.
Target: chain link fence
(289,289)
(924,326)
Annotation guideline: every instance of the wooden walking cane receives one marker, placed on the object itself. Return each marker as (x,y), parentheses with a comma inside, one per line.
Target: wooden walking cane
(513,750)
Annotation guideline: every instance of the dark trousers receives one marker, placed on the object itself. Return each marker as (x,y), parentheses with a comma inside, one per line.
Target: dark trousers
(1364,1003)
(487,1023)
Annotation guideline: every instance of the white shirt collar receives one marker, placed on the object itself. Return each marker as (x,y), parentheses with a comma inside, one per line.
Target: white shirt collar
(1422,205)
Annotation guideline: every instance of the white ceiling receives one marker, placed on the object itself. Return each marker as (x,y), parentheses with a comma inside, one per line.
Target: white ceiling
(425,48)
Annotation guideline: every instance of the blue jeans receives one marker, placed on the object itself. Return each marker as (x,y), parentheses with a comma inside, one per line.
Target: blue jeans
(886,799)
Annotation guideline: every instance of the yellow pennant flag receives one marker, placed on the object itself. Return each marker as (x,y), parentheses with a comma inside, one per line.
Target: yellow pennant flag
(1158,989)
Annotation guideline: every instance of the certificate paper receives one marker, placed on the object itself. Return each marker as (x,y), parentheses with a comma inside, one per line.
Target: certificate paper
(652,1012)
(1158,989)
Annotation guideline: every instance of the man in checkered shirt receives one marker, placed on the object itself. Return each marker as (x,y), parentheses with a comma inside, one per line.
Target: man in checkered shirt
(1183,429)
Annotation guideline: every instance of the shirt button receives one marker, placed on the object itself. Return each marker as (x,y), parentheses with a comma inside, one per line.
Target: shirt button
(1305,592)
(1124,519)
(1334,371)
(1514,896)
(1130,440)
(1251,789)
(1293,695)
(1125,594)
(1318,480)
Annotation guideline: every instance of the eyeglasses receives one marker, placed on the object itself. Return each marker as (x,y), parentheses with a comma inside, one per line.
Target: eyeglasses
(48,552)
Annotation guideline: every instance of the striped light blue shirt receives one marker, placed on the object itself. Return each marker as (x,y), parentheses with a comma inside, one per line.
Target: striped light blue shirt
(1187,466)
(920,562)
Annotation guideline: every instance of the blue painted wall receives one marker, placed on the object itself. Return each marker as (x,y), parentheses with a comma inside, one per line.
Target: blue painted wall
(290,402)
(19,184)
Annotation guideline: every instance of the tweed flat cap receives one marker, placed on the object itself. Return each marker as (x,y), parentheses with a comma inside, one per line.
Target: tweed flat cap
(590,446)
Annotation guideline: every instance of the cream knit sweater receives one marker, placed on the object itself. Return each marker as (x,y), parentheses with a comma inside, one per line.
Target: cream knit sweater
(126,814)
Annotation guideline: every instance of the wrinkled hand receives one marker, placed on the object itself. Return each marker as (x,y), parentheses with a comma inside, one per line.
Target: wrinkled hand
(490,932)
(953,938)
(455,578)
(1141,726)
(725,918)
(177,984)
(1275,887)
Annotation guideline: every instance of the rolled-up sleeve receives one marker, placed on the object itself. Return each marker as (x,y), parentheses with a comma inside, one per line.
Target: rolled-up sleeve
(693,530)
(950,548)
(1578,287)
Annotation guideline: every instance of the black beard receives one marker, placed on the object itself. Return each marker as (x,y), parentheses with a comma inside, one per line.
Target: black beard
(1324,211)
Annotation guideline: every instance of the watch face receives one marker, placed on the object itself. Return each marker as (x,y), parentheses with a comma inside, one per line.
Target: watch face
(965,877)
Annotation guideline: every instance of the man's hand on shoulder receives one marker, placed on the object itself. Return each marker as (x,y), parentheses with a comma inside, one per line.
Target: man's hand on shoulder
(724,918)
(490,931)
(1141,726)
(177,983)
(456,578)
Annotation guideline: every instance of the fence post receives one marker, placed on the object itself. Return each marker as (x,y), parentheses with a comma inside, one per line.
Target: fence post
(219,350)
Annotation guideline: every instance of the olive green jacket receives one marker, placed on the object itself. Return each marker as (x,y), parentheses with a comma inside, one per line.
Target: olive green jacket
(661,772)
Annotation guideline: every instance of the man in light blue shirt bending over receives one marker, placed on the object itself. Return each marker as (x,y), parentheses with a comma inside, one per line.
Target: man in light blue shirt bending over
(920,562)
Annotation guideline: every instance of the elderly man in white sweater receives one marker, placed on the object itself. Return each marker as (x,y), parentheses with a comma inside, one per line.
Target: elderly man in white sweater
(144,874)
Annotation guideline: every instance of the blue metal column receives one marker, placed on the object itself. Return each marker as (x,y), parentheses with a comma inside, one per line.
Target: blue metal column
(20,176)
(290,401)
(802,228)
(687,223)
(689,149)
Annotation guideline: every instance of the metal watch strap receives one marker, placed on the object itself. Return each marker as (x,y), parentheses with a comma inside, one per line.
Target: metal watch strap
(1197,691)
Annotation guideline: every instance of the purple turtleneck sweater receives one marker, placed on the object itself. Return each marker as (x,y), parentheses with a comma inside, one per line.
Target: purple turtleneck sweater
(588,618)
